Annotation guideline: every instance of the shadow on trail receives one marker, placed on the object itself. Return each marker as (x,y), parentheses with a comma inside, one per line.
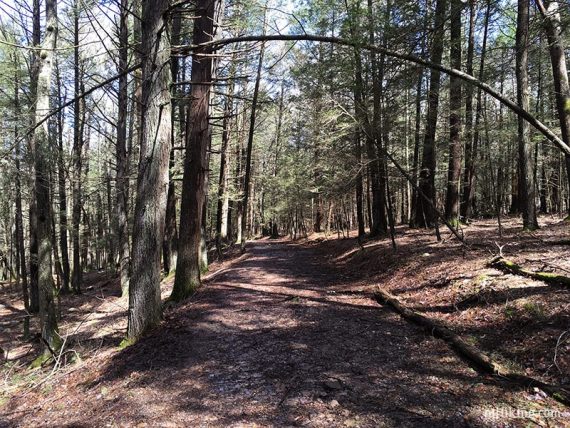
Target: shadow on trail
(264,343)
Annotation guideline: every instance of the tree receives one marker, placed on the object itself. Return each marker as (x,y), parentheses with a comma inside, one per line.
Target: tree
(553,28)
(41,153)
(455,101)
(78,143)
(526,159)
(426,215)
(195,164)
(122,179)
(152,182)
(249,147)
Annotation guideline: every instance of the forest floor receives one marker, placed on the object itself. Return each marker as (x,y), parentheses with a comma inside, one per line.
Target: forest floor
(288,335)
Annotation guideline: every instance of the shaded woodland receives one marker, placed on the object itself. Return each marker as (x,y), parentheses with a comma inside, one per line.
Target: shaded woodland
(147,146)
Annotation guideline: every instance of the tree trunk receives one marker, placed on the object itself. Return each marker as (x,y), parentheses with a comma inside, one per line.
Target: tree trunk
(415,202)
(377,177)
(41,153)
(152,184)
(78,113)
(249,150)
(222,206)
(425,213)
(553,27)
(170,244)
(358,183)
(122,173)
(455,100)
(195,165)
(33,211)
(526,159)
(62,192)
(472,141)
(21,254)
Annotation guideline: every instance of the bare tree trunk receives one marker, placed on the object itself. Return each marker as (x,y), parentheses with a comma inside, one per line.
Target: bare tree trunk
(455,100)
(170,243)
(41,153)
(374,138)
(78,112)
(425,214)
(415,202)
(34,270)
(122,174)
(358,183)
(21,254)
(62,192)
(249,149)
(553,27)
(472,140)
(152,184)
(526,160)
(195,165)
(222,206)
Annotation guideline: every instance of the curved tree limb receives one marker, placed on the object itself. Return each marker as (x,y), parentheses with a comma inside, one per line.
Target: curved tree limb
(218,44)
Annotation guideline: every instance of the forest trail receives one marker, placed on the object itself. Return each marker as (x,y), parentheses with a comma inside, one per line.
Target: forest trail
(271,340)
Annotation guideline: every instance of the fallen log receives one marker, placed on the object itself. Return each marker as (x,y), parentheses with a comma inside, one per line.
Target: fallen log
(509,266)
(468,351)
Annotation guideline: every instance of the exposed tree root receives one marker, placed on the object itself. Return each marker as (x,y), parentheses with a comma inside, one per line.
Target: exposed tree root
(470,352)
(508,266)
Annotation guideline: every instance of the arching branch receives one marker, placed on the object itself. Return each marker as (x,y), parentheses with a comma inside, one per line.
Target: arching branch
(218,44)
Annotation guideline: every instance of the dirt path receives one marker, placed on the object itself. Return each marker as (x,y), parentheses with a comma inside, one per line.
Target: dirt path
(272,341)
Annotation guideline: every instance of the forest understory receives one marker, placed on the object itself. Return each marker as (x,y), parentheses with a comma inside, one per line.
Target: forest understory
(289,334)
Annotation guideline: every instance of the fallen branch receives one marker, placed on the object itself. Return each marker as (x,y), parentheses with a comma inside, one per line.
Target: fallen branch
(509,266)
(469,352)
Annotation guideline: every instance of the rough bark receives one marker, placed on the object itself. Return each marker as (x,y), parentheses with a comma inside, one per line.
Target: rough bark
(41,154)
(455,101)
(122,174)
(222,206)
(33,213)
(415,202)
(19,220)
(63,224)
(425,214)
(553,28)
(195,165)
(249,148)
(169,246)
(526,158)
(152,183)
(472,141)
(374,138)
(78,112)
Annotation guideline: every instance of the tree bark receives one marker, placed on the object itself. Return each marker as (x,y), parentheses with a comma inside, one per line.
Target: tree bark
(553,28)
(222,206)
(170,244)
(374,138)
(249,148)
(455,101)
(122,173)
(526,159)
(78,112)
(472,140)
(195,165)
(152,184)
(415,202)
(41,154)
(65,286)
(425,214)
(21,254)
(33,211)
